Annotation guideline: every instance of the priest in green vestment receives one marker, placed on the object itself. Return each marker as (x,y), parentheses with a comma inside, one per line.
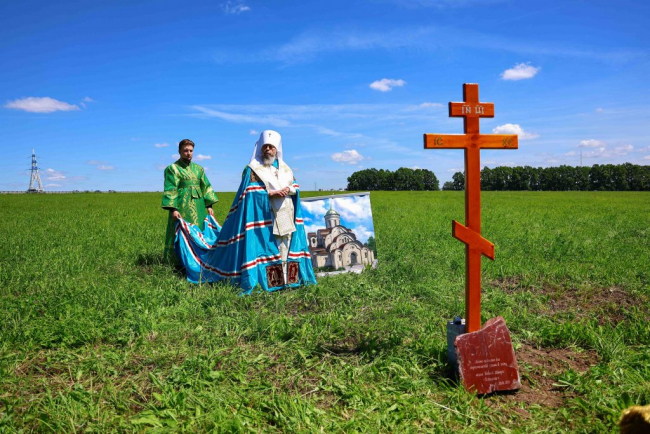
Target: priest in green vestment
(188,195)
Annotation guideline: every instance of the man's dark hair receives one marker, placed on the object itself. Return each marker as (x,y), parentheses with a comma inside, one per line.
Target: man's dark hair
(183,143)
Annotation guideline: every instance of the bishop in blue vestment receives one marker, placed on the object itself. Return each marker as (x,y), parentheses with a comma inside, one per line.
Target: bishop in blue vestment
(263,240)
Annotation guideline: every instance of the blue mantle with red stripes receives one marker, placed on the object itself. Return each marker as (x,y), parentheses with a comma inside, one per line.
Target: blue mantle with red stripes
(244,248)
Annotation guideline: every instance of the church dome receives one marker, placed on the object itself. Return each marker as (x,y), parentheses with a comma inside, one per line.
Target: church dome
(331,212)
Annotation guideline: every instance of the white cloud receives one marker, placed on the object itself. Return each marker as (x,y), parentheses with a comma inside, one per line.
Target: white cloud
(53,185)
(520,71)
(441,4)
(235,117)
(353,209)
(85,100)
(600,150)
(311,115)
(253,132)
(622,150)
(313,228)
(234,7)
(100,165)
(514,129)
(570,153)
(647,157)
(161,145)
(349,157)
(314,207)
(430,104)
(430,39)
(591,143)
(34,104)
(362,233)
(176,156)
(600,110)
(201,157)
(349,208)
(327,131)
(386,84)
(54,175)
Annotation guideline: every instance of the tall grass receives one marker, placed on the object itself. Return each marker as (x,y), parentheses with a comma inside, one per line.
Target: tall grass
(98,335)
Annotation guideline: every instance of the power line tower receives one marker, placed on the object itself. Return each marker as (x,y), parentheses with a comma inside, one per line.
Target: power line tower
(35,184)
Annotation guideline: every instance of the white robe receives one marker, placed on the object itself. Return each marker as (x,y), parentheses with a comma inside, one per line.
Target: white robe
(277,179)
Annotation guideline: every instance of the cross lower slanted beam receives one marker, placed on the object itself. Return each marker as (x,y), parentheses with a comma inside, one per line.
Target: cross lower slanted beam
(471,110)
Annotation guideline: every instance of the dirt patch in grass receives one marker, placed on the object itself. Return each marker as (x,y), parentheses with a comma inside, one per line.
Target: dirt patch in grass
(307,383)
(608,305)
(303,307)
(539,369)
(356,345)
(349,345)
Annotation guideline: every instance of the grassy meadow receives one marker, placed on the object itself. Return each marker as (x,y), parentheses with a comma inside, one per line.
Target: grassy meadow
(97,335)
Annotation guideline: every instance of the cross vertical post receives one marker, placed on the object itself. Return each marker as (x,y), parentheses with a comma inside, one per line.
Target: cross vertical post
(471,110)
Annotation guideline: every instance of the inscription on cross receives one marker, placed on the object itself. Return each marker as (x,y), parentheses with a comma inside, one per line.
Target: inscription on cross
(471,110)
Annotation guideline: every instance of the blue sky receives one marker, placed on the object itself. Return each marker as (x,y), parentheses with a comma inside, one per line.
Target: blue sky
(104,91)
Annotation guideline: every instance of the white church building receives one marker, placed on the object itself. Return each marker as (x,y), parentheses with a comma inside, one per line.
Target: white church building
(337,246)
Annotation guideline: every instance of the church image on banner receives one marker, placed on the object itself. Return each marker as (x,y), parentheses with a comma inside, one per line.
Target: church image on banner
(336,244)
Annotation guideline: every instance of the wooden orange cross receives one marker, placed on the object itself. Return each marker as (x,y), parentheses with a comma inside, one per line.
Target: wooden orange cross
(471,110)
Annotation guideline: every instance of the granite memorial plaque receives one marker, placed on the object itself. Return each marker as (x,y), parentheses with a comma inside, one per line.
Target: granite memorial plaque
(486,359)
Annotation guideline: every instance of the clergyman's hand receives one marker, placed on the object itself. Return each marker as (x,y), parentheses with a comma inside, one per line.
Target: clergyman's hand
(210,211)
(176,215)
(282,193)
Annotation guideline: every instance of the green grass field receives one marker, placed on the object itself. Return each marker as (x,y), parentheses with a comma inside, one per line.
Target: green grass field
(97,335)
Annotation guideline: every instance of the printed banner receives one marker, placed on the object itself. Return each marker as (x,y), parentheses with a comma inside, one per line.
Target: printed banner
(340,233)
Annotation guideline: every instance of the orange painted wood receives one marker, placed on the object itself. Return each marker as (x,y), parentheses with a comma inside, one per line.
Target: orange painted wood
(472,289)
(471,110)
(467,236)
(460,141)
(470,95)
(473,256)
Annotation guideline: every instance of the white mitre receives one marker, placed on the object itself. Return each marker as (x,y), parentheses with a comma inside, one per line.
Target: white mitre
(268,137)
(274,180)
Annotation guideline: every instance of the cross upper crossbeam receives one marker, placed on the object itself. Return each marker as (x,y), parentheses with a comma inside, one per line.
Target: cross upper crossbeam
(471,110)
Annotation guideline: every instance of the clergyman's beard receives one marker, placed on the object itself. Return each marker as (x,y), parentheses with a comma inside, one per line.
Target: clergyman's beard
(268,160)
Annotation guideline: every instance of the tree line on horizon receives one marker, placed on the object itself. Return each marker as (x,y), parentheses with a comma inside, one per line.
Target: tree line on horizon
(599,177)
(403,179)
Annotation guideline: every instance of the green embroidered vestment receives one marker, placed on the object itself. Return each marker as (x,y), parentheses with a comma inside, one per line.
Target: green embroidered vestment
(187,190)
